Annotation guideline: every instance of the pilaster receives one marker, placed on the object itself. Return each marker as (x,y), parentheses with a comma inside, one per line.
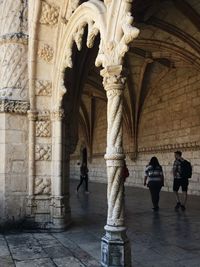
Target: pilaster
(61,215)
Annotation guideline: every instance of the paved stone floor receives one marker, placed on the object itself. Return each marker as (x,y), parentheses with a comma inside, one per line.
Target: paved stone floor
(167,238)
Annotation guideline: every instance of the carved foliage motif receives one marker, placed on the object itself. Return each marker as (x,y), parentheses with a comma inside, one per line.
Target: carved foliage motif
(43,88)
(49,14)
(42,185)
(14,106)
(43,152)
(46,53)
(43,128)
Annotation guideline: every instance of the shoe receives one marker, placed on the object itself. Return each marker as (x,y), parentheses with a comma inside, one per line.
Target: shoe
(155,209)
(178,205)
(182,207)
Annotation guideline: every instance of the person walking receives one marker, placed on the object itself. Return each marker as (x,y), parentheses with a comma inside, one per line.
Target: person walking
(181,179)
(83,177)
(154,179)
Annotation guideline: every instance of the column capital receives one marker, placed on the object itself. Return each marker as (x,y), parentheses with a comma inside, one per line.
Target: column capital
(57,114)
(114,77)
(32,115)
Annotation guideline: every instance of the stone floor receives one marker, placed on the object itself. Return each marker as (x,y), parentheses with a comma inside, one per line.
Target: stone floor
(167,238)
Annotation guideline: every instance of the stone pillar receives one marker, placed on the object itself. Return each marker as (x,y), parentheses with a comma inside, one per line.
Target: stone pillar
(13,108)
(60,216)
(31,206)
(115,249)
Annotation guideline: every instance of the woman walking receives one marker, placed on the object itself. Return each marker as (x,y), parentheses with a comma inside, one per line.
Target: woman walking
(154,179)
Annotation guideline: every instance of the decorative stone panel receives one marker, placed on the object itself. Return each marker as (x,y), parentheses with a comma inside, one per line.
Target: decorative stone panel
(43,185)
(46,53)
(43,152)
(49,14)
(13,71)
(43,128)
(43,87)
(171,147)
(14,106)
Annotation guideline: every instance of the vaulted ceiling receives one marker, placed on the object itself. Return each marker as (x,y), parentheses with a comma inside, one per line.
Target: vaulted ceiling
(169,39)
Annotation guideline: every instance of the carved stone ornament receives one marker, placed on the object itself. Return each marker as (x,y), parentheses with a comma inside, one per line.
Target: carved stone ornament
(49,14)
(170,147)
(57,114)
(43,128)
(46,53)
(43,87)
(112,52)
(42,186)
(13,70)
(43,152)
(12,106)
(43,115)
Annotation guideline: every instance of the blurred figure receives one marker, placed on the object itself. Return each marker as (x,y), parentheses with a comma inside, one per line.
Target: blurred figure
(154,179)
(83,177)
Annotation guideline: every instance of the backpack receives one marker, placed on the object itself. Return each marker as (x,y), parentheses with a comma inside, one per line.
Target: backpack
(186,169)
(125,172)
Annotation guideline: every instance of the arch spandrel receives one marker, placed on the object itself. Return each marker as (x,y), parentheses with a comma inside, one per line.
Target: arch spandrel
(115,31)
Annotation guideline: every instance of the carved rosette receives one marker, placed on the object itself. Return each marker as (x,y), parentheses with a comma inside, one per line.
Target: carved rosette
(46,53)
(42,186)
(43,152)
(43,88)
(12,106)
(49,14)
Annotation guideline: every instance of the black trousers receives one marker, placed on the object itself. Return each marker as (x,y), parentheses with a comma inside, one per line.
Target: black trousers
(85,179)
(155,188)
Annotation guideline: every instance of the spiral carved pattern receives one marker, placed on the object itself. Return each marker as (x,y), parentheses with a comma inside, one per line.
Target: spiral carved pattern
(114,156)
(115,120)
(115,197)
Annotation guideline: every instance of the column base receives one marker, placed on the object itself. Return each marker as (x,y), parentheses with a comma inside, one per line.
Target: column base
(115,248)
(61,218)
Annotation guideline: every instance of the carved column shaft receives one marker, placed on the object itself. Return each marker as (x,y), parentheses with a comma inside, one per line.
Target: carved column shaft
(32,116)
(57,117)
(114,86)
(60,218)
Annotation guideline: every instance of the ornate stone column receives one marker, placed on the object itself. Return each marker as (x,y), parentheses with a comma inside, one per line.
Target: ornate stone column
(115,245)
(60,216)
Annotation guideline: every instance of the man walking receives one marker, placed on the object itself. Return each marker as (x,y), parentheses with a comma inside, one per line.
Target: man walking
(179,180)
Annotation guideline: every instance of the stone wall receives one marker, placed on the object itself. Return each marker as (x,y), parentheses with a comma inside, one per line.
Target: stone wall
(14,166)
